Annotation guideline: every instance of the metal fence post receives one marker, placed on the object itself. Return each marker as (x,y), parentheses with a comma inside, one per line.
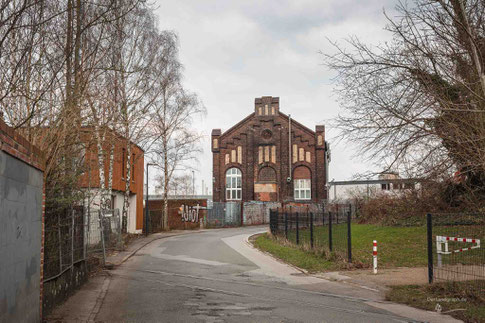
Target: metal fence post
(330,231)
(297,230)
(311,230)
(286,225)
(337,213)
(83,217)
(429,222)
(72,239)
(100,216)
(349,233)
(60,241)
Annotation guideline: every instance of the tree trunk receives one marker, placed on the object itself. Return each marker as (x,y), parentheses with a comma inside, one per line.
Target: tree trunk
(126,200)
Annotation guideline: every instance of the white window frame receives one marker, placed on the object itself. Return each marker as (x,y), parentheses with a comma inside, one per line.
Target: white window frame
(302,189)
(233,184)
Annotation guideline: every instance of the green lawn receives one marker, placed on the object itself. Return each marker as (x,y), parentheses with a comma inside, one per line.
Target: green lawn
(462,300)
(311,261)
(397,246)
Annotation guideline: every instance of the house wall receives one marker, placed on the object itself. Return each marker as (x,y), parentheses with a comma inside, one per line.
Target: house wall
(265,178)
(21,228)
(91,177)
(118,198)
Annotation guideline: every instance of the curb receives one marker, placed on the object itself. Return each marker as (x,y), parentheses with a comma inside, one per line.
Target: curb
(110,265)
(304,271)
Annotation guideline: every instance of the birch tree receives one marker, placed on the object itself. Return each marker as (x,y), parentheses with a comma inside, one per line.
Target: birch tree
(175,110)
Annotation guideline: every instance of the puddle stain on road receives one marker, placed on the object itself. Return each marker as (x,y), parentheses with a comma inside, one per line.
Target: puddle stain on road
(214,311)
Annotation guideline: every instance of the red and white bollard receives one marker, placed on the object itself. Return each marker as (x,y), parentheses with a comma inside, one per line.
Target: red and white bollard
(374,256)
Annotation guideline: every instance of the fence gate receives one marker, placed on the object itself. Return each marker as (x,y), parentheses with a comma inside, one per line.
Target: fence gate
(233,213)
(455,247)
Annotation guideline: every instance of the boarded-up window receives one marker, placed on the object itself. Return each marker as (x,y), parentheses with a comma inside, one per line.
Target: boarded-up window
(215,143)
(302,172)
(267,174)
(320,140)
(260,154)
(308,157)
(273,154)
(233,156)
(266,112)
(260,111)
(266,153)
(227,159)
(272,110)
(301,154)
(239,154)
(295,153)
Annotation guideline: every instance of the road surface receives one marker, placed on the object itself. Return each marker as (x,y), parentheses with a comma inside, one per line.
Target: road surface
(216,276)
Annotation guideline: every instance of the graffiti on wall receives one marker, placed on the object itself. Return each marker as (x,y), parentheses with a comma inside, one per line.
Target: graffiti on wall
(189,213)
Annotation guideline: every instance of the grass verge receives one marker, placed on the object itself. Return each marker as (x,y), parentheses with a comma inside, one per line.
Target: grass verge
(397,246)
(310,261)
(462,300)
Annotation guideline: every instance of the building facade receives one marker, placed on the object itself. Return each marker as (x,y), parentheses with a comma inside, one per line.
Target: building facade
(90,179)
(268,156)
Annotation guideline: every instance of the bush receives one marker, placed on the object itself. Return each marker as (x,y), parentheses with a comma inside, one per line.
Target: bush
(408,207)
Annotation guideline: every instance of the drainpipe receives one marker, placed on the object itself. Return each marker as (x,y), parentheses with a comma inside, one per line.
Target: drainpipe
(289,147)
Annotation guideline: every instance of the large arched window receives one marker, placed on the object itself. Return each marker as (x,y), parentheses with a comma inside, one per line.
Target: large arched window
(302,183)
(233,184)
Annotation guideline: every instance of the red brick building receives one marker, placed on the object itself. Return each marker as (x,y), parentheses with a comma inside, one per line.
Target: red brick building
(268,156)
(90,178)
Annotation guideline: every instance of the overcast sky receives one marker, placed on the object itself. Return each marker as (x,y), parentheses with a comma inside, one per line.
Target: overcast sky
(235,51)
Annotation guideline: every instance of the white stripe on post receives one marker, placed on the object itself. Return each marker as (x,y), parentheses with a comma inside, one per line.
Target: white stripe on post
(374,256)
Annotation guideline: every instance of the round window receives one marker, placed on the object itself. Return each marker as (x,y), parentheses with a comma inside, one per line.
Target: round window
(266,134)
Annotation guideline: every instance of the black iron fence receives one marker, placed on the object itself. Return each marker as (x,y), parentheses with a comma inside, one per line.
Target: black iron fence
(327,229)
(455,248)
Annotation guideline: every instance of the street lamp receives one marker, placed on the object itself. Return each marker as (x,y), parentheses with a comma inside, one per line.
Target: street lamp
(146,202)
(193,183)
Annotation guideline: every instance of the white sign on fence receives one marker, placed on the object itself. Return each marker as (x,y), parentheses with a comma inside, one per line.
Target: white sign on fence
(442,241)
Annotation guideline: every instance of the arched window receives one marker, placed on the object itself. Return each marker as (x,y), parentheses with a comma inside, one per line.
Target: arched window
(302,183)
(233,184)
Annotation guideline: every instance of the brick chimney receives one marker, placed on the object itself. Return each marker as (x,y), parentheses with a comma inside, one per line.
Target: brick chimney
(266,106)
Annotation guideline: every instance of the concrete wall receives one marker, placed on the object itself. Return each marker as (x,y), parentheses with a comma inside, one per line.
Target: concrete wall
(21,190)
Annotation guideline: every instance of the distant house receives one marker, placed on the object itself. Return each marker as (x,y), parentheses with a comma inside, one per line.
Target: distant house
(90,178)
(270,157)
(386,183)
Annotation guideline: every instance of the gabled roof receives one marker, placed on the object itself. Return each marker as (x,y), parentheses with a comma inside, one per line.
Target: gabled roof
(249,117)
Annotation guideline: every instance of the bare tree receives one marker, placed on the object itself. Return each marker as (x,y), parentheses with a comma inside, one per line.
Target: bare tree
(417,103)
(178,184)
(177,142)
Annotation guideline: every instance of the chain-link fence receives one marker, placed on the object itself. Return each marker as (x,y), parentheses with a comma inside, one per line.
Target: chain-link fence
(455,247)
(224,214)
(64,241)
(103,230)
(327,228)
(72,235)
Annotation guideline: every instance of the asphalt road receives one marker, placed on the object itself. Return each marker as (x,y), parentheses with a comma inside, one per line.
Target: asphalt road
(215,276)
